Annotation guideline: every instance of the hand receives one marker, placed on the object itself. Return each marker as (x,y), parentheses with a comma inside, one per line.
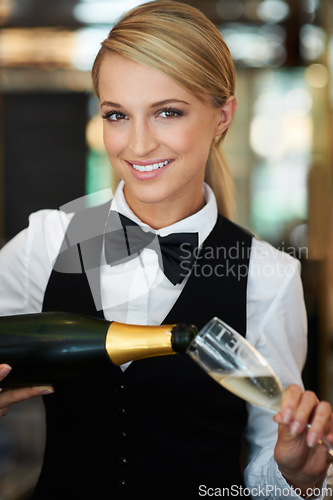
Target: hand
(301,460)
(12,396)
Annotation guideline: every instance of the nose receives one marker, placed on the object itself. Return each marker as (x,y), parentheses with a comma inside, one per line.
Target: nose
(142,140)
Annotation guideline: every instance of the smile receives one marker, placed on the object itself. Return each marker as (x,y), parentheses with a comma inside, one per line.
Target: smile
(149,168)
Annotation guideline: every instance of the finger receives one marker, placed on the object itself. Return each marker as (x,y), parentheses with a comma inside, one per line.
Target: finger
(290,402)
(4,370)
(328,442)
(321,422)
(4,411)
(329,438)
(13,396)
(303,413)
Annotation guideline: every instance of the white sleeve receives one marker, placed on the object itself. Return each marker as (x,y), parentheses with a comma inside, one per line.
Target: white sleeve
(26,262)
(277,327)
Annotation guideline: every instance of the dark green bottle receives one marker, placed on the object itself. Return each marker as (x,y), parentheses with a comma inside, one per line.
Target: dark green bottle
(46,348)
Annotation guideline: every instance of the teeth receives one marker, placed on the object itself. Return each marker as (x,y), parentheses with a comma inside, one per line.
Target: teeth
(148,168)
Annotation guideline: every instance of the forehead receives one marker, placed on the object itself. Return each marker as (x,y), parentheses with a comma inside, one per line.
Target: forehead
(121,79)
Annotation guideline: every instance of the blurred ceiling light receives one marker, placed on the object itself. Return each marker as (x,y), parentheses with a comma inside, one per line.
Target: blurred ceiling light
(298,101)
(287,134)
(267,138)
(299,237)
(281,124)
(255,47)
(273,11)
(102,11)
(44,47)
(94,134)
(317,75)
(87,42)
(311,5)
(299,132)
(230,11)
(312,41)
(310,8)
(269,101)
(6,9)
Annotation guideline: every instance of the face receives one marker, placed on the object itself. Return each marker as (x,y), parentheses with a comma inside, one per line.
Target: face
(157,137)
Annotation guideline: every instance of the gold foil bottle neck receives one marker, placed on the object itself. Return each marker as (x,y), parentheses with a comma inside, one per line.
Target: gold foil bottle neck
(131,342)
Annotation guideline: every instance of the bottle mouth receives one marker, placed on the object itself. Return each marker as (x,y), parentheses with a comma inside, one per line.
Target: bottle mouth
(182,336)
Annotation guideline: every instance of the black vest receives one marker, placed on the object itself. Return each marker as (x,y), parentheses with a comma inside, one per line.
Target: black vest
(163,427)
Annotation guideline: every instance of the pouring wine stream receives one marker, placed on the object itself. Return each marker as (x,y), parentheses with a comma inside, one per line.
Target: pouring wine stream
(235,364)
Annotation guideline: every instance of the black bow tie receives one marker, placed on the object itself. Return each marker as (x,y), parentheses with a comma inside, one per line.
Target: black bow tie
(124,239)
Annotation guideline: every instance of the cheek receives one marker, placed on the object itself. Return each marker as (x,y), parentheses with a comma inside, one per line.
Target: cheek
(180,141)
(194,143)
(112,142)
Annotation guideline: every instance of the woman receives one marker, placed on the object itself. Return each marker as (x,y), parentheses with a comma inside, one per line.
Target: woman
(160,428)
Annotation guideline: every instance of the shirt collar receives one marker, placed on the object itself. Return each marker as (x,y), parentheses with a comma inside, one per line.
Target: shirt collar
(201,222)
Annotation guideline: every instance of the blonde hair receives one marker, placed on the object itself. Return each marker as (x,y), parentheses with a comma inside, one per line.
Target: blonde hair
(178,40)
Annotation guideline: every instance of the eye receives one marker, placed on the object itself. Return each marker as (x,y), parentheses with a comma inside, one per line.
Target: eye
(114,116)
(170,113)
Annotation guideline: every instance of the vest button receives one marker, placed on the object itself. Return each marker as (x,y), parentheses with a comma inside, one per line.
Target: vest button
(122,483)
(120,412)
(120,389)
(122,461)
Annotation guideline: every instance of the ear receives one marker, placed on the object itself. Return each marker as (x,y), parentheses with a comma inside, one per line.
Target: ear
(226,114)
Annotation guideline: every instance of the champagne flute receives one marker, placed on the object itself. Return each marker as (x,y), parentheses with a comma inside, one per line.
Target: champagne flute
(235,364)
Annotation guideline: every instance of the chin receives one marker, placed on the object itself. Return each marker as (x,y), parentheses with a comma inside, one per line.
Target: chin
(147,194)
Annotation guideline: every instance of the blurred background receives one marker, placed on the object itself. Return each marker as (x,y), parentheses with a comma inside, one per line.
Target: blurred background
(279,149)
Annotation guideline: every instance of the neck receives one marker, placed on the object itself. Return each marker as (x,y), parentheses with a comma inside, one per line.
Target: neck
(166,213)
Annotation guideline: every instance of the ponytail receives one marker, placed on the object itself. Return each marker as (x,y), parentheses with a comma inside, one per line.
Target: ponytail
(219,178)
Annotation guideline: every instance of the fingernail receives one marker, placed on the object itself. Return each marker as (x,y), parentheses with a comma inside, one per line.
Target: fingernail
(46,390)
(4,370)
(287,414)
(312,439)
(295,428)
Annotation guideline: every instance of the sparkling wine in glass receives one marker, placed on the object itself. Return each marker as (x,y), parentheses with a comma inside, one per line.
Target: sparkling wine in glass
(235,364)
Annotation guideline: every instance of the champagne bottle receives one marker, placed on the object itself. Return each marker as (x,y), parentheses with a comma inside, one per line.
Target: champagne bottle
(51,347)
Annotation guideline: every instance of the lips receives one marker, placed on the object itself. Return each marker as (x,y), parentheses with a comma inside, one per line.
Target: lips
(149,167)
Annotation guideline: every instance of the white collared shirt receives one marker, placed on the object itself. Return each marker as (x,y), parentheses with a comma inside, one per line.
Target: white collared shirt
(139,302)
(137,292)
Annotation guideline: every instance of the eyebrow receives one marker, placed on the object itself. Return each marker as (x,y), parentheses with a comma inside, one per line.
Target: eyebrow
(169,101)
(154,105)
